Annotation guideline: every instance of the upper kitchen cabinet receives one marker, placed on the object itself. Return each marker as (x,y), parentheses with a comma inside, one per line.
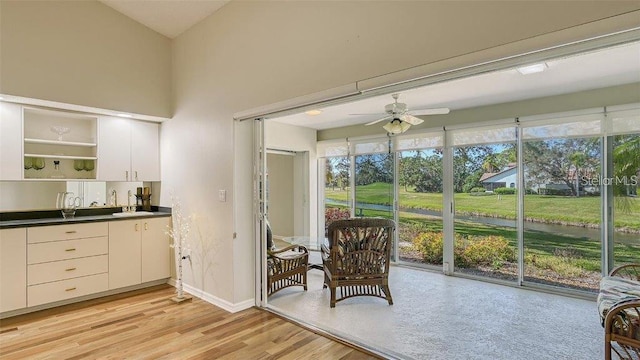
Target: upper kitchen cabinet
(129,150)
(58,145)
(10,141)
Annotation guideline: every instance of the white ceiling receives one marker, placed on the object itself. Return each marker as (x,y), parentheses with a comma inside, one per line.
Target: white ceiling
(615,66)
(168,17)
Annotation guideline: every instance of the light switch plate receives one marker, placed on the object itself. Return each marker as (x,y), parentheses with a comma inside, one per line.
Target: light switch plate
(222,195)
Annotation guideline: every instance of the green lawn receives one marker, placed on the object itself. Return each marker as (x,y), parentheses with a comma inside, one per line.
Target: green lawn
(542,208)
(568,256)
(586,253)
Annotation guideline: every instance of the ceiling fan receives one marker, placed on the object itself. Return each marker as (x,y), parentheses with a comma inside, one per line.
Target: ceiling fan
(401,119)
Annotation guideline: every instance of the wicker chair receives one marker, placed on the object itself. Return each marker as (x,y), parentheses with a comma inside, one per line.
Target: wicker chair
(357,258)
(287,267)
(619,305)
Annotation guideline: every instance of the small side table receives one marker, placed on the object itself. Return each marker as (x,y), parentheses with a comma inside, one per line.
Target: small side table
(312,243)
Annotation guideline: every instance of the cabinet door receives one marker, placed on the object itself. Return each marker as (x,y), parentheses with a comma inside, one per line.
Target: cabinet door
(11,162)
(114,149)
(124,253)
(13,269)
(155,249)
(145,151)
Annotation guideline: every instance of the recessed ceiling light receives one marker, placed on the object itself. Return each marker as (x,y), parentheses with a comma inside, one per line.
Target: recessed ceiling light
(125,115)
(313,112)
(532,69)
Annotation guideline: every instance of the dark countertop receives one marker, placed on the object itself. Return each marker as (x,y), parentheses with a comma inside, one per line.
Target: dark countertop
(43,218)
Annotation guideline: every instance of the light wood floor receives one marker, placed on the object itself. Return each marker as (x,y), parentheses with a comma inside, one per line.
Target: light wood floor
(146,324)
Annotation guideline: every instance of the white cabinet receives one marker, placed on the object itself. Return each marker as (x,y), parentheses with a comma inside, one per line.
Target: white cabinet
(138,251)
(66,261)
(156,253)
(145,151)
(10,141)
(124,253)
(128,150)
(13,269)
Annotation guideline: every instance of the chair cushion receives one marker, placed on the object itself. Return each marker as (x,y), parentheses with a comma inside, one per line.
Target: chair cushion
(614,289)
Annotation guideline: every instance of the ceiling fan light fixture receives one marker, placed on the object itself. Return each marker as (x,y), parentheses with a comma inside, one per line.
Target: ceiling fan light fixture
(313,112)
(396,126)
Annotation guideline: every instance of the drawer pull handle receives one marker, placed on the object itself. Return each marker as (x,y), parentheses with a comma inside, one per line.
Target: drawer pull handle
(70,232)
(137,227)
(70,269)
(72,249)
(70,289)
(146,226)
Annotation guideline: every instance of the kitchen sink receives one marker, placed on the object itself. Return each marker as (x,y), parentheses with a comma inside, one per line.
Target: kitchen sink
(134,213)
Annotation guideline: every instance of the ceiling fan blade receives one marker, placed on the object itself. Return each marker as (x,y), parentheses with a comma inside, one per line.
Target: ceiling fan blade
(377,121)
(410,119)
(369,114)
(433,111)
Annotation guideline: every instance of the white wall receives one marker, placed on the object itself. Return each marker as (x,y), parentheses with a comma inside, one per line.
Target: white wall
(84,53)
(255,53)
(280,189)
(300,139)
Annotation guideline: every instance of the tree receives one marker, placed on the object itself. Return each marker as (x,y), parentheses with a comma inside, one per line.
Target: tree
(372,168)
(337,172)
(429,178)
(554,161)
(626,169)
(468,161)
(409,170)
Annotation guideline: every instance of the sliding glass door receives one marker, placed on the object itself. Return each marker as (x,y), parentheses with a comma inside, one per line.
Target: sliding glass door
(623,186)
(563,202)
(337,189)
(374,185)
(485,189)
(420,233)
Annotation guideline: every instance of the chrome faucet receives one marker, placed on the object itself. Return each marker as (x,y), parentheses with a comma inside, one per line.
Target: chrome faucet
(129,200)
(114,197)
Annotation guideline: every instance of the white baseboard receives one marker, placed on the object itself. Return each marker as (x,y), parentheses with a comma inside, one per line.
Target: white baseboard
(214,300)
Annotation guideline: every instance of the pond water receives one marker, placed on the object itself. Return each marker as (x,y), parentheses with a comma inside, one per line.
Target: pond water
(565,230)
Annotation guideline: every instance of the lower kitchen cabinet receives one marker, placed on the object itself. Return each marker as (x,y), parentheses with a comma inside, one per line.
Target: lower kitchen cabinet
(138,251)
(125,238)
(13,270)
(43,265)
(156,253)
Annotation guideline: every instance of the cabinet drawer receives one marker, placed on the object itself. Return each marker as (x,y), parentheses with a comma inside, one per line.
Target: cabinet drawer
(67,269)
(67,249)
(66,232)
(66,289)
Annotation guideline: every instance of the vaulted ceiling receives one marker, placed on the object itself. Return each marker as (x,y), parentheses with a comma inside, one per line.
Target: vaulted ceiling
(168,17)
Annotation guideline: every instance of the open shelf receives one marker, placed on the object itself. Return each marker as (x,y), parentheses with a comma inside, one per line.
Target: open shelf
(57,142)
(70,157)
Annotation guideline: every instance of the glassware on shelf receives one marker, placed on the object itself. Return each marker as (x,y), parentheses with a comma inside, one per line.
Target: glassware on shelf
(89,165)
(78,165)
(57,174)
(38,163)
(28,162)
(60,130)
